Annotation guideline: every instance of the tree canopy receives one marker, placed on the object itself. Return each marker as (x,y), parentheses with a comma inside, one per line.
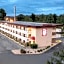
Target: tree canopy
(2,14)
(33,17)
(50,18)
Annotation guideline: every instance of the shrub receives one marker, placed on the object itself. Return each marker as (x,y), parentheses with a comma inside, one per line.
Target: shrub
(38,50)
(47,47)
(34,46)
(27,51)
(41,50)
(22,51)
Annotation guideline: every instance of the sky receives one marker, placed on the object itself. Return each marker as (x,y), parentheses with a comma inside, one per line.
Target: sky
(33,6)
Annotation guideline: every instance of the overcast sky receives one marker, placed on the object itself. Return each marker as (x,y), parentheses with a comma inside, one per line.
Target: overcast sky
(33,6)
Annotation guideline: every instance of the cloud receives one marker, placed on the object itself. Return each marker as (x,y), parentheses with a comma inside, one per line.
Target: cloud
(7,2)
(49,9)
(12,1)
(56,1)
(33,6)
(3,2)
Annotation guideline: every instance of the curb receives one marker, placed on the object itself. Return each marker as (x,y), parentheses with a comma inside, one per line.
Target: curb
(17,52)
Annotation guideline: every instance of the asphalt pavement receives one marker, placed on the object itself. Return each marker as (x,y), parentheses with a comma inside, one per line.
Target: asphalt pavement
(7,44)
(7,57)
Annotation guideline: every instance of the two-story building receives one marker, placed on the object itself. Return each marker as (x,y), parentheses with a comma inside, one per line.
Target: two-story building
(43,34)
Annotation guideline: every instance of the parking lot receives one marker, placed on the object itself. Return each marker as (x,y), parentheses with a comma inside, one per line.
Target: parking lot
(7,44)
(7,57)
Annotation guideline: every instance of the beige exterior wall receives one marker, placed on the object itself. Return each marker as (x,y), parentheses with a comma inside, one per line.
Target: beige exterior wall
(39,38)
(37,33)
(43,40)
(33,32)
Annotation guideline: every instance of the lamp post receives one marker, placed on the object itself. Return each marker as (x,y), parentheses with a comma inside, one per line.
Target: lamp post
(14,13)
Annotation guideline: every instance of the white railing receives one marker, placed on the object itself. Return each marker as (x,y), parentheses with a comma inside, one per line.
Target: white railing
(58,35)
(15,29)
(58,30)
(16,35)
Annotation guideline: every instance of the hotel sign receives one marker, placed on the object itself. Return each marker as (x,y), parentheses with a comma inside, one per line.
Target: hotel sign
(44,32)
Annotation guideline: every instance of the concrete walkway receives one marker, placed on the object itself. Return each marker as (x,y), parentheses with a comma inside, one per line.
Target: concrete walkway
(34,51)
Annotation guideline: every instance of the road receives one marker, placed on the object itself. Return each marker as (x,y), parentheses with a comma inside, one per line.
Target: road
(7,57)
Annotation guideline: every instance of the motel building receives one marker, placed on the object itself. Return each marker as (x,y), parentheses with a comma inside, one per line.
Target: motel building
(43,34)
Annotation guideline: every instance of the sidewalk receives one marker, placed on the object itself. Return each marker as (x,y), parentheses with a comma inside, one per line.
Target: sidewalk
(34,51)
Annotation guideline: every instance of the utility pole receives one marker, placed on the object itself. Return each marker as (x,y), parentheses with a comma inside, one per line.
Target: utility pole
(14,13)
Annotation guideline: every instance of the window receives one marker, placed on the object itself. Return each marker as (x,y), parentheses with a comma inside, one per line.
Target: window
(24,35)
(20,33)
(16,32)
(20,27)
(24,28)
(13,31)
(53,33)
(23,41)
(29,35)
(53,40)
(16,26)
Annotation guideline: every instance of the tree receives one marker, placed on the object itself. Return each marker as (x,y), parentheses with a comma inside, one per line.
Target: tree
(61,18)
(37,18)
(27,18)
(20,17)
(2,14)
(58,58)
(42,18)
(48,62)
(55,18)
(49,18)
(33,17)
